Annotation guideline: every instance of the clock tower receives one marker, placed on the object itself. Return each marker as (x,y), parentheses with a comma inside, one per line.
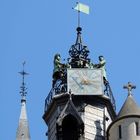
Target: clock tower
(80,105)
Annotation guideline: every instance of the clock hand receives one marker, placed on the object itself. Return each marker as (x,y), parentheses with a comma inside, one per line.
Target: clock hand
(85,82)
(80,75)
(77,82)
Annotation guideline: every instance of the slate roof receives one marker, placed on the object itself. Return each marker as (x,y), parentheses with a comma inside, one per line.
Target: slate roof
(129,108)
(23,128)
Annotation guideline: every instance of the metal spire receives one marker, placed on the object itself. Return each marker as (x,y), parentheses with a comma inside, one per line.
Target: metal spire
(23,88)
(79,52)
(79,38)
(80,7)
(78,14)
(129,87)
(23,127)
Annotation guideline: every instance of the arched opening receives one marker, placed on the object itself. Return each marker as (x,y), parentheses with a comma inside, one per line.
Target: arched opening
(70,128)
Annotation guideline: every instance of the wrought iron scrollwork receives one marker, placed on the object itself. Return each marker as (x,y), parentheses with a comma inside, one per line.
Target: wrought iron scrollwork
(108,92)
(60,87)
(78,59)
(78,50)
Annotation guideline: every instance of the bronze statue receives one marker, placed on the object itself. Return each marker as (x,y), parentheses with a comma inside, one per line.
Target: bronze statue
(58,71)
(57,63)
(101,65)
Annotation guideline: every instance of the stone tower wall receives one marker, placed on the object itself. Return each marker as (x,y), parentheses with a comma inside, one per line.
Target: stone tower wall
(128,129)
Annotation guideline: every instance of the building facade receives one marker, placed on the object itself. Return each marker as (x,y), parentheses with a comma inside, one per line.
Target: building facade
(23,132)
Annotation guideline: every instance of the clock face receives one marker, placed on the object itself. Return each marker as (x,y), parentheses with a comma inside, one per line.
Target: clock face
(85,81)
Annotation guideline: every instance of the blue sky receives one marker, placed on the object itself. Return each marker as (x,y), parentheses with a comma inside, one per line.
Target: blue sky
(34,30)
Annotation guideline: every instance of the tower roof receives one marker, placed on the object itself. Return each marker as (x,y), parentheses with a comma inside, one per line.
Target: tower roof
(129,108)
(23,128)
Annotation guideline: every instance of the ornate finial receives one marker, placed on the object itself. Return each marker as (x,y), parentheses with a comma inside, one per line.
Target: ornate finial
(129,87)
(79,29)
(79,38)
(23,88)
(79,52)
